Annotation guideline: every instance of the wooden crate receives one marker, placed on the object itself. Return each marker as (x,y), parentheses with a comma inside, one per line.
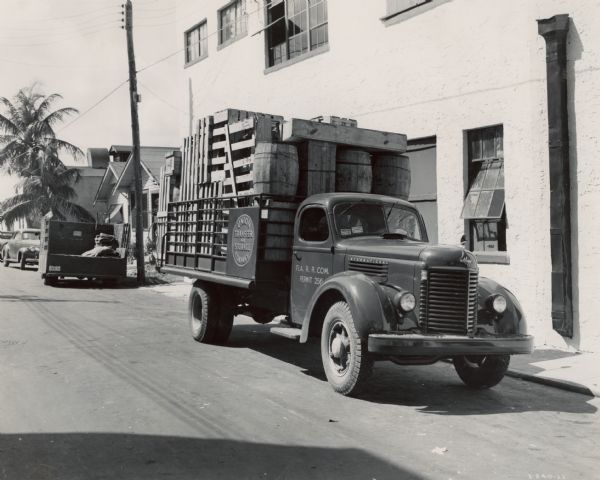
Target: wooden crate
(317,167)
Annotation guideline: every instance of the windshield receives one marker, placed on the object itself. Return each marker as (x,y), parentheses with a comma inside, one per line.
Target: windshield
(354,219)
(31,235)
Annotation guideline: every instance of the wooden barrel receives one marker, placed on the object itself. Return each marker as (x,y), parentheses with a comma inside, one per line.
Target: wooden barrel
(391,175)
(275,169)
(353,171)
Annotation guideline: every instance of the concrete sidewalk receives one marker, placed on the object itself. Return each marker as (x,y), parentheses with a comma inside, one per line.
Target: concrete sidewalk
(576,372)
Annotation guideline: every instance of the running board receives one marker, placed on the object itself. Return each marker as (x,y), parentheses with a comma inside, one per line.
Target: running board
(287,332)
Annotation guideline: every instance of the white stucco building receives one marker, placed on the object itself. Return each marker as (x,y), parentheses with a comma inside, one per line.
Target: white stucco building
(466,81)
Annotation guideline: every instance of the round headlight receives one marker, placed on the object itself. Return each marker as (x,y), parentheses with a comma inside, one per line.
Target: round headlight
(499,304)
(405,301)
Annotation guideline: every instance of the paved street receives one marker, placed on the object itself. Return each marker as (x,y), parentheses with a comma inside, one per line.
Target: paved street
(107,383)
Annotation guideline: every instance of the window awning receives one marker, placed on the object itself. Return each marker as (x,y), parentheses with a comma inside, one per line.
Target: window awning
(485,200)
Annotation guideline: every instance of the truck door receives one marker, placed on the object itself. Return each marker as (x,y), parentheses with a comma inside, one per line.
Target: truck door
(312,261)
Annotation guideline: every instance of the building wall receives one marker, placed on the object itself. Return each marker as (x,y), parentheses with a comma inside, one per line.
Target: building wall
(458,66)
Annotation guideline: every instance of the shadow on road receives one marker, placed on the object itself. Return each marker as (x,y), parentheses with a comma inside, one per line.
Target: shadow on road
(124,456)
(434,389)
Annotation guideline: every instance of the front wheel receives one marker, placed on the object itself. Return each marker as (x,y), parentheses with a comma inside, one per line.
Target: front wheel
(5,261)
(22,263)
(481,371)
(344,354)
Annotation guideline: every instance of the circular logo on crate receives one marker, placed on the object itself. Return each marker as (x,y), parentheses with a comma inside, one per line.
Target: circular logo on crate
(242,243)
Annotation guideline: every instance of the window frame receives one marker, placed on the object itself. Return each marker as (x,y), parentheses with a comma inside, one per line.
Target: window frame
(474,162)
(397,15)
(304,212)
(306,34)
(203,42)
(236,35)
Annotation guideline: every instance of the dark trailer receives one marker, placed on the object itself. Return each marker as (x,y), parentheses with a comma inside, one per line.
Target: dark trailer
(62,246)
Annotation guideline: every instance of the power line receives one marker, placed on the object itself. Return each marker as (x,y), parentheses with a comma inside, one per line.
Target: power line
(84,34)
(151,92)
(64,17)
(94,105)
(41,65)
(59,33)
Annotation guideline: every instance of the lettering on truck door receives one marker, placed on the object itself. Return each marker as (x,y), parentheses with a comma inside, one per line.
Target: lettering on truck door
(312,261)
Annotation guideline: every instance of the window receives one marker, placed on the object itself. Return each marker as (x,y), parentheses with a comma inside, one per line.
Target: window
(399,10)
(484,205)
(233,22)
(313,225)
(196,43)
(295,27)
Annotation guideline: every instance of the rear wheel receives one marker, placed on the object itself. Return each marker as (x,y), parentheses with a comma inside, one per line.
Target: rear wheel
(481,371)
(210,322)
(49,280)
(344,354)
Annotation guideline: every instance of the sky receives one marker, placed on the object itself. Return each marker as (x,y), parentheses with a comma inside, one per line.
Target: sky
(78,49)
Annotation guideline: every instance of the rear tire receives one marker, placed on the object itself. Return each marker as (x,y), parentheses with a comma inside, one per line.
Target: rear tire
(210,322)
(344,354)
(49,280)
(481,371)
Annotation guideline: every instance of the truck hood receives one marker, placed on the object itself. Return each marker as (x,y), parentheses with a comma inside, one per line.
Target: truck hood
(378,247)
(430,255)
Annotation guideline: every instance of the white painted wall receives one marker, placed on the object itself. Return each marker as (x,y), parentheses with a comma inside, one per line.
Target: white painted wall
(465,64)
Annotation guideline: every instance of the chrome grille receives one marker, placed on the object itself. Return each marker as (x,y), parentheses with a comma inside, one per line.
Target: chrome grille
(450,302)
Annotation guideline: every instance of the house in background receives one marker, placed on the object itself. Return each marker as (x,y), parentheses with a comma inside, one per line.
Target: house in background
(116,189)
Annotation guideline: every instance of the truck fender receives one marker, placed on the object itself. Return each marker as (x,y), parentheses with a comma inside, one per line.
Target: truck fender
(512,321)
(364,296)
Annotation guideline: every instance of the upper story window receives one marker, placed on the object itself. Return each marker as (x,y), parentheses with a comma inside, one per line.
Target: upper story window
(233,22)
(196,43)
(484,205)
(295,27)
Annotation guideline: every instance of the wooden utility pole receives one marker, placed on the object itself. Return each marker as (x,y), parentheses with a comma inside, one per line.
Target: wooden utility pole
(135,133)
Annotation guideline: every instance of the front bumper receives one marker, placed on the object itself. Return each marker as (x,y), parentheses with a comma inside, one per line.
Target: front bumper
(448,345)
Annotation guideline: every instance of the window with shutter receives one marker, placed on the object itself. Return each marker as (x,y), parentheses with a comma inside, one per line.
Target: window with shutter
(484,207)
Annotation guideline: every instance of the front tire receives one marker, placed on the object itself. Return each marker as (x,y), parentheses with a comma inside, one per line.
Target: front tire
(209,321)
(22,263)
(481,371)
(5,260)
(344,354)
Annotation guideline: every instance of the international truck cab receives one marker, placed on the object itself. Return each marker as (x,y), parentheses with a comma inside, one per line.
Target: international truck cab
(354,269)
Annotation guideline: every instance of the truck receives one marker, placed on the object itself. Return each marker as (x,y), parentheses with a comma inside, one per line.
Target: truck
(64,242)
(356,270)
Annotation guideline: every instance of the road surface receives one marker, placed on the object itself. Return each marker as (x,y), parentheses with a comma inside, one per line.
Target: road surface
(99,383)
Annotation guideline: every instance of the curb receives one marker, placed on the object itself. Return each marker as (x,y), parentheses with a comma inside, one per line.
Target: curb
(550,382)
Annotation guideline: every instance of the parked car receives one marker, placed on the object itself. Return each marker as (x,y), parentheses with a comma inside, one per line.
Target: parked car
(23,248)
(4,237)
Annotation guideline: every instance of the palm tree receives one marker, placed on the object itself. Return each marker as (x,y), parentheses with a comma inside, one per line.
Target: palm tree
(48,189)
(30,149)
